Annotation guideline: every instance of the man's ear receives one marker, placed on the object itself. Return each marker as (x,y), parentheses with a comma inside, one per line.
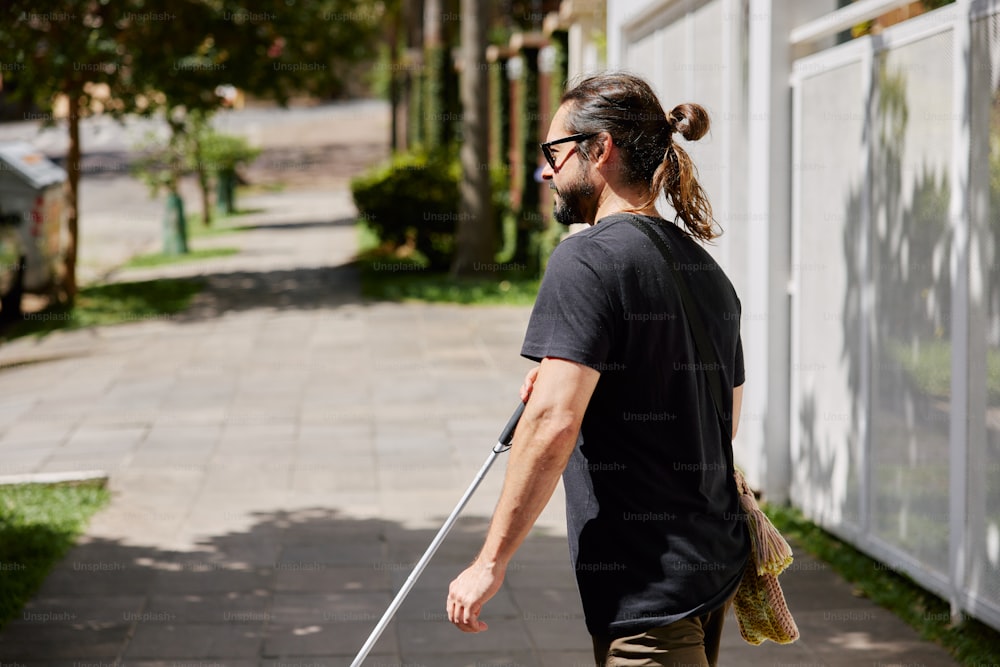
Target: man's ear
(601,151)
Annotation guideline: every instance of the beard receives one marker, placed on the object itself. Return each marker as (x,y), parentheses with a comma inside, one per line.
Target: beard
(574,202)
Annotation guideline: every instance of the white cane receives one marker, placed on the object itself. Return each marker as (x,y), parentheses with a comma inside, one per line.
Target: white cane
(503,444)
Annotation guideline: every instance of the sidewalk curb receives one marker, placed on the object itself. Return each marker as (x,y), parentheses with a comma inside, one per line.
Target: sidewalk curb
(70,477)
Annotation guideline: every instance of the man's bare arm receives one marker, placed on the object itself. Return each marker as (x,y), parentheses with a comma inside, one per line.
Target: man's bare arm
(543,442)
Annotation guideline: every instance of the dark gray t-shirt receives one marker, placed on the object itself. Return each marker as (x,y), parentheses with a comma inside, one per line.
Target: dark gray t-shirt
(652,510)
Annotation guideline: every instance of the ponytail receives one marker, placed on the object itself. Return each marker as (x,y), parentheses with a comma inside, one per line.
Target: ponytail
(677,177)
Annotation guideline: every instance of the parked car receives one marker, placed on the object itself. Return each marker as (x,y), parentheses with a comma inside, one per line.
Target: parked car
(31,223)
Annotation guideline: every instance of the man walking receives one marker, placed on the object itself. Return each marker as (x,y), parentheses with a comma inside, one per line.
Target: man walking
(620,405)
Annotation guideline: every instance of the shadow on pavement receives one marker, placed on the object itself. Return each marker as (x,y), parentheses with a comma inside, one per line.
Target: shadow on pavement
(312,224)
(294,289)
(309,584)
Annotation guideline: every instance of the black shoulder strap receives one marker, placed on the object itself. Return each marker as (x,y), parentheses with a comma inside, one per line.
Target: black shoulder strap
(705,350)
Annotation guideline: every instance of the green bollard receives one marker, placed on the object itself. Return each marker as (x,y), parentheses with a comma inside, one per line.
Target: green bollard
(225,192)
(174,226)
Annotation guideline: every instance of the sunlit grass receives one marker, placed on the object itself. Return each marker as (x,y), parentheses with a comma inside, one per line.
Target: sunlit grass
(388,276)
(103,305)
(160,259)
(221,224)
(38,525)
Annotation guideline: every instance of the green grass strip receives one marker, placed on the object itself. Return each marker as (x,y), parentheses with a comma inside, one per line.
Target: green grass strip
(387,277)
(160,259)
(399,280)
(38,525)
(970,642)
(115,303)
(221,224)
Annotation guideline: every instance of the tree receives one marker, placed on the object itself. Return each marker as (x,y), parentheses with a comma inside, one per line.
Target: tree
(277,49)
(222,154)
(180,77)
(475,238)
(68,49)
(199,133)
(141,56)
(161,166)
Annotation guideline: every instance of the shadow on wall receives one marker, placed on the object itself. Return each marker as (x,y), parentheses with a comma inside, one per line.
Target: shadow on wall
(906,356)
(909,341)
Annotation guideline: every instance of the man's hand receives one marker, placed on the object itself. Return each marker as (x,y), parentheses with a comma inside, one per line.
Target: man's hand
(469,592)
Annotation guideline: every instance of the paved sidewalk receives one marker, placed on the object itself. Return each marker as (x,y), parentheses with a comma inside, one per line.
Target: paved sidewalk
(281,455)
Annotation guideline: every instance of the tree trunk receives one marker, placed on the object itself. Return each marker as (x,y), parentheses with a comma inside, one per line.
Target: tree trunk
(206,200)
(203,183)
(69,287)
(394,81)
(432,107)
(432,23)
(475,236)
(529,224)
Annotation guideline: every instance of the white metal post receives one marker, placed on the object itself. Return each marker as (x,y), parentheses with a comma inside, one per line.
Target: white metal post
(769,169)
(795,452)
(982,252)
(958,213)
(866,329)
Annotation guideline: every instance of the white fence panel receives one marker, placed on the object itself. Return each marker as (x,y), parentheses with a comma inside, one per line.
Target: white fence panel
(982,582)
(828,269)
(887,255)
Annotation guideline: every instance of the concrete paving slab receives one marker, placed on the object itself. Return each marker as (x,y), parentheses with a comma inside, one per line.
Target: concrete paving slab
(173,662)
(329,640)
(32,432)
(61,639)
(195,641)
(90,611)
(293,608)
(211,608)
(21,461)
(333,579)
(220,583)
(96,578)
(337,553)
(419,638)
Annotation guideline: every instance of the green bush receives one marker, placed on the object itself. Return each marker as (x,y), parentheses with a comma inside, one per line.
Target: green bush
(413,200)
(225,152)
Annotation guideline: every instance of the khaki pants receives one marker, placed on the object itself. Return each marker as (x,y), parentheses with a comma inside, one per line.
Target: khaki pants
(691,642)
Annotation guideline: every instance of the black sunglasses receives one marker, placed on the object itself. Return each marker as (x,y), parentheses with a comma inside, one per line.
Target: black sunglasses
(573,137)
